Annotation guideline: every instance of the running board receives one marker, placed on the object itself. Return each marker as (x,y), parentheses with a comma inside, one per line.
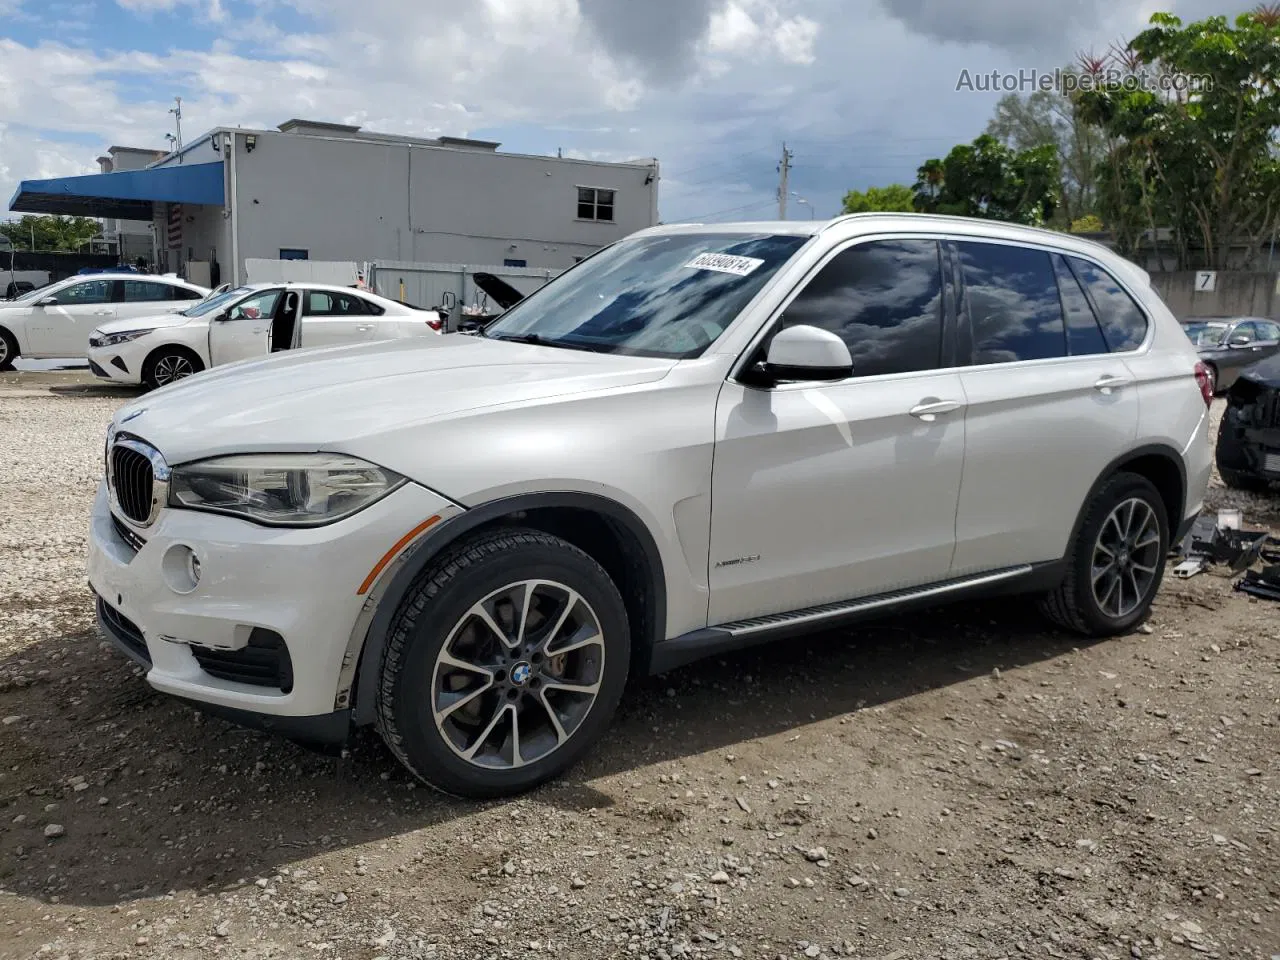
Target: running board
(743,633)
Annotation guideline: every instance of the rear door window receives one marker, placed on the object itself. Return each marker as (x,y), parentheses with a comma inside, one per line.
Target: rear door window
(329,303)
(884,299)
(139,291)
(1124,325)
(1014,309)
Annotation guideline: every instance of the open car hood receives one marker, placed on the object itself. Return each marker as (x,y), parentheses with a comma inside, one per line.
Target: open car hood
(501,292)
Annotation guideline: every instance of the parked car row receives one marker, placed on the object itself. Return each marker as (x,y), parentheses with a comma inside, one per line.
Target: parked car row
(701,437)
(155,330)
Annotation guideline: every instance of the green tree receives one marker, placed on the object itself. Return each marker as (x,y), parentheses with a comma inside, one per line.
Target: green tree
(988,179)
(1192,147)
(1052,118)
(896,197)
(51,233)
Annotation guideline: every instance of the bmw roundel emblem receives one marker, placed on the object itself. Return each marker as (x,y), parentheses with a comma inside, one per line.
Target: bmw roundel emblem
(520,673)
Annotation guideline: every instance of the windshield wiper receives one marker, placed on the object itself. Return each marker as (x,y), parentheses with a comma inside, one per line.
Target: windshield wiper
(532,338)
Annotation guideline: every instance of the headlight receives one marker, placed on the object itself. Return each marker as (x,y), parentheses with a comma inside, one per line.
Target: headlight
(112,339)
(294,490)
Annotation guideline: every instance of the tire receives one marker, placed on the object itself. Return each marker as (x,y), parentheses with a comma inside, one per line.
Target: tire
(431,731)
(169,365)
(1075,605)
(1232,464)
(8,349)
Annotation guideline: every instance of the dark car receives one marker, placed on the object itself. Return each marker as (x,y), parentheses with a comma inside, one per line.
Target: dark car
(1229,344)
(1248,451)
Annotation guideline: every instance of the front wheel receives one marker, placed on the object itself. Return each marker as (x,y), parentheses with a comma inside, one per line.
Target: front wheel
(8,349)
(504,665)
(169,365)
(1116,562)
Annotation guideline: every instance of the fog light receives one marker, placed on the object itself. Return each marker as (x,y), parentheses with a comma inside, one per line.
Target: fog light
(180,568)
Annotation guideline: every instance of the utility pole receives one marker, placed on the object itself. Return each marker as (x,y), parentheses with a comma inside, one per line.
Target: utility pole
(784,169)
(177,117)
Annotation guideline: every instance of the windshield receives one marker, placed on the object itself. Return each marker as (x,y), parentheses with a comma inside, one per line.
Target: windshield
(659,296)
(32,295)
(216,303)
(1206,333)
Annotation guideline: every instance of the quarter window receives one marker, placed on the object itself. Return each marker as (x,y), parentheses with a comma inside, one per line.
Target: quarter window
(884,298)
(595,203)
(1123,324)
(89,292)
(1084,336)
(1014,310)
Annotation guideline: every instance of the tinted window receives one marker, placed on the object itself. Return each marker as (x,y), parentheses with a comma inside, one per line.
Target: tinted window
(1014,308)
(136,291)
(1267,331)
(1123,324)
(884,299)
(185,293)
(91,291)
(1084,336)
(326,303)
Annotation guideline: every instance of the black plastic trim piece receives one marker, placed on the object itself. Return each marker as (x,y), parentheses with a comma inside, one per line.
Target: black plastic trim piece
(451,530)
(698,644)
(123,634)
(324,730)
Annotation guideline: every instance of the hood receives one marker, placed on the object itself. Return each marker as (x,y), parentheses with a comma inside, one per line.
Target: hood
(502,293)
(1265,373)
(331,398)
(154,321)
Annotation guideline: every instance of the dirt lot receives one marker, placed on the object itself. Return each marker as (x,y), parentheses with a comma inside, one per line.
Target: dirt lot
(966,784)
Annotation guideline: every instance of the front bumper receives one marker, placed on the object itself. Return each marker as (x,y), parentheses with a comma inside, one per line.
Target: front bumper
(299,584)
(115,364)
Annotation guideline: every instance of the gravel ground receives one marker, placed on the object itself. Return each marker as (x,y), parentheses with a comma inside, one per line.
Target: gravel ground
(962,784)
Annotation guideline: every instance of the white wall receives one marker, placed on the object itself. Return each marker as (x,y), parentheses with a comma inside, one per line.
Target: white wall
(346,199)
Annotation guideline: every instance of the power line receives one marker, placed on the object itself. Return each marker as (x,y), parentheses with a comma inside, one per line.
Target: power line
(720,213)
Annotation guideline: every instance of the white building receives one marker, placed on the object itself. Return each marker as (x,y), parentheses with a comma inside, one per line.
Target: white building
(323,191)
(130,239)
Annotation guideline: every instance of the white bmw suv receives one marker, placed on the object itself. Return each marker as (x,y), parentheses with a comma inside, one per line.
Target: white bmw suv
(700,438)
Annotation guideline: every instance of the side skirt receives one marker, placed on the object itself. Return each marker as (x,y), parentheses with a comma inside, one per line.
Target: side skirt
(693,646)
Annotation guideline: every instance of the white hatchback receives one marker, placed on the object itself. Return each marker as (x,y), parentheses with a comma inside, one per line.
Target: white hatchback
(54,321)
(245,323)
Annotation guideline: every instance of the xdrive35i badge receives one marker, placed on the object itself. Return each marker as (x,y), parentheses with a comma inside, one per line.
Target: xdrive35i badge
(739,560)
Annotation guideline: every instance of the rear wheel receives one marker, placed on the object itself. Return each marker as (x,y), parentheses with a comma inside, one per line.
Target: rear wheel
(168,365)
(1116,562)
(504,666)
(8,349)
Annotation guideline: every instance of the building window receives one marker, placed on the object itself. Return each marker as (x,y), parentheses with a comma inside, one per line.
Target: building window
(515,263)
(595,203)
(293,253)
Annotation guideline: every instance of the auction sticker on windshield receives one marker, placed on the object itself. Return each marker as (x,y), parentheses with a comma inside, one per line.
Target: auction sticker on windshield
(724,263)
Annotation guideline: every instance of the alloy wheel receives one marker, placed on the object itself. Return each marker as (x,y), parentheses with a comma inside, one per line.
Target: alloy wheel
(172,367)
(4,350)
(1126,555)
(518,674)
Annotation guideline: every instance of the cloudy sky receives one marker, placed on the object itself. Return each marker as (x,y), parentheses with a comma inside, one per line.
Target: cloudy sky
(862,91)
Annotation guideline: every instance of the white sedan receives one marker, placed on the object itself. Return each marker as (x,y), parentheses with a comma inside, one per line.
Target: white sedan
(54,321)
(245,323)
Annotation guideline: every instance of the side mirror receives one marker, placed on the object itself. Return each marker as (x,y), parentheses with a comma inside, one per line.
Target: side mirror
(807,353)
(1239,342)
(47,302)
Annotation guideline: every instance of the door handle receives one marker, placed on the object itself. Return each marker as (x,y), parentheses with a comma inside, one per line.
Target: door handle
(1108,383)
(102,313)
(929,408)
(258,329)
(364,327)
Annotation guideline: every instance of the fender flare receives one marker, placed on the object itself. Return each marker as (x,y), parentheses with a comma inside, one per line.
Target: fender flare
(1162,450)
(438,540)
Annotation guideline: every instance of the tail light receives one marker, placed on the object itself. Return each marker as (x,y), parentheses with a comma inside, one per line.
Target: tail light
(1205,381)
(437,324)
